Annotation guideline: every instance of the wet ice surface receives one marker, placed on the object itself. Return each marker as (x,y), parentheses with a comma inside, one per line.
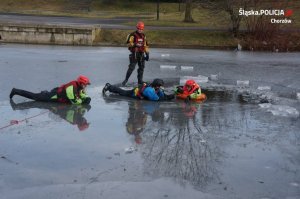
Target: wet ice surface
(231,146)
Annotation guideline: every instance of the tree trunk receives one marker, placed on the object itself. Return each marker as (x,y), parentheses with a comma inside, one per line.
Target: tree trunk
(188,11)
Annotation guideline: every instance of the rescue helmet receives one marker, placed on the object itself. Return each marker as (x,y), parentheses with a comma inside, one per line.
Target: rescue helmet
(190,83)
(140,25)
(157,83)
(138,139)
(83,126)
(83,80)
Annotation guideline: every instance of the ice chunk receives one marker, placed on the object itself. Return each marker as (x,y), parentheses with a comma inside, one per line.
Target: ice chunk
(213,77)
(283,110)
(298,96)
(171,67)
(130,149)
(187,67)
(242,82)
(265,105)
(199,79)
(264,88)
(295,184)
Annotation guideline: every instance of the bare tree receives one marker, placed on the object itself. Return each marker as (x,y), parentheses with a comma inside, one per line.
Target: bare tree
(231,7)
(188,11)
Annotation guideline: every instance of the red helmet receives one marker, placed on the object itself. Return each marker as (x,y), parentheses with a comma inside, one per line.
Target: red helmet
(140,25)
(138,139)
(190,83)
(83,80)
(83,126)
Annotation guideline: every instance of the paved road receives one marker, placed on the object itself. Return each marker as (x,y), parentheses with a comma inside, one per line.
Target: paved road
(114,23)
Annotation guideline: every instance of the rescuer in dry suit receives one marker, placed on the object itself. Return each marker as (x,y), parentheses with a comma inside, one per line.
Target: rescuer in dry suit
(70,93)
(191,89)
(152,92)
(139,52)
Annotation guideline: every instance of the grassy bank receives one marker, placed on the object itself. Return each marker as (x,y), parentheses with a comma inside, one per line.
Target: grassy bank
(168,38)
(170,15)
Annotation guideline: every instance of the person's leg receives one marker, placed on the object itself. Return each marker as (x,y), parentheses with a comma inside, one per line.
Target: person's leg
(115,89)
(42,96)
(131,67)
(140,71)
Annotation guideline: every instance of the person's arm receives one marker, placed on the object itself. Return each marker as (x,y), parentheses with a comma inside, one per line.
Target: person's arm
(195,94)
(131,43)
(72,95)
(146,46)
(85,98)
(178,90)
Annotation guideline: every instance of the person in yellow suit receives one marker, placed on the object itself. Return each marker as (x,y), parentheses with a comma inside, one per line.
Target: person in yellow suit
(70,93)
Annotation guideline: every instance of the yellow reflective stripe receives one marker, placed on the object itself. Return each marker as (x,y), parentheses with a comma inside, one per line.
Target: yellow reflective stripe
(83,95)
(77,101)
(131,41)
(54,97)
(146,45)
(70,116)
(194,95)
(70,93)
(136,90)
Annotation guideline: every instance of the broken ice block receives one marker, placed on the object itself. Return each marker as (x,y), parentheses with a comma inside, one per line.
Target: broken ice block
(264,88)
(213,77)
(167,67)
(242,82)
(199,79)
(187,67)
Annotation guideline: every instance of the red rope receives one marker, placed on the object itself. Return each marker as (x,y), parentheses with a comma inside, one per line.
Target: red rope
(14,122)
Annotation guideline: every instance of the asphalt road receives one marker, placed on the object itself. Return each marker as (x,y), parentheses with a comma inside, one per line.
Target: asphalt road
(113,23)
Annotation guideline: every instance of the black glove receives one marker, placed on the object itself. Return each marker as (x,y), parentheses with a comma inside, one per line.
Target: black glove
(147,56)
(179,89)
(87,100)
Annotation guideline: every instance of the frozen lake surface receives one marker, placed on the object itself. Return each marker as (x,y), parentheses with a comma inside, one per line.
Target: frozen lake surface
(242,142)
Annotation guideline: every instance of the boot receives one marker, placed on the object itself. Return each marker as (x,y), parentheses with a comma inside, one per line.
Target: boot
(24,93)
(106,88)
(12,93)
(124,82)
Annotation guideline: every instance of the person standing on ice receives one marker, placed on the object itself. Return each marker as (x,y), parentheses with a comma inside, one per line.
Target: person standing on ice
(139,52)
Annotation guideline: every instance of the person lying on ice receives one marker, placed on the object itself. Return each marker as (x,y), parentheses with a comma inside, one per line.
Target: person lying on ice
(70,93)
(190,91)
(152,92)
